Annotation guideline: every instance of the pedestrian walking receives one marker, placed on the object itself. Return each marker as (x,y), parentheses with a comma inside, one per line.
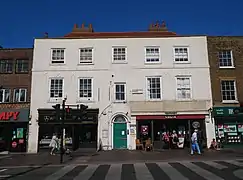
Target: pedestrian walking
(53,144)
(194,140)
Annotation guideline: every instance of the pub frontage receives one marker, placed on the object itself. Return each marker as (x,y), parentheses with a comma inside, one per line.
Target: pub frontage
(229,125)
(14,129)
(78,132)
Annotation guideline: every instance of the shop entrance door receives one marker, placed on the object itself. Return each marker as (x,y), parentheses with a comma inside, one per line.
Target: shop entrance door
(120,133)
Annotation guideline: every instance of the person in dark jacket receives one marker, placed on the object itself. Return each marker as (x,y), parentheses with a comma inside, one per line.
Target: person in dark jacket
(200,140)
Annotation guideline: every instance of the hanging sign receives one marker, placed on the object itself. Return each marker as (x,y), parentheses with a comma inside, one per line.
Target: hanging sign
(144,129)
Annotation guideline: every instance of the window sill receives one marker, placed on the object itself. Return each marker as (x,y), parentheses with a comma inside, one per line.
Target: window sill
(152,63)
(22,72)
(120,102)
(230,102)
(183,100)
(15,102)
(226,67)
(57,64)
(154,100)
(85,101)
(119,62)
(6,72)
(83,64)
(183,62)
(54,100)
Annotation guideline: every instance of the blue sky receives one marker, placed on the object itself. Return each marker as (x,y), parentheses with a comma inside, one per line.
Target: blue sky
(24,20)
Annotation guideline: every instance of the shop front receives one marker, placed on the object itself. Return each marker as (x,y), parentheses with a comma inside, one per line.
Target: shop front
(78,132)
(154,127)
(229,125)
(14,129)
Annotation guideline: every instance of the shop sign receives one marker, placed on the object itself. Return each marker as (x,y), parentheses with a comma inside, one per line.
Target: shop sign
(14,115)
(224,111)
(137,91)
(6,116)
(170,117)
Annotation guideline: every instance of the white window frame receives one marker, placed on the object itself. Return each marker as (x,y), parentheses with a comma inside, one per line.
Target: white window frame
(58,61)
(92,89)
(86,54)
(235,91)
(18,99)
(147,89)
(119,61)
(56,97)
(175,55)
(154,56)
(190,87)
(125,91)
(231,57)
(4,94)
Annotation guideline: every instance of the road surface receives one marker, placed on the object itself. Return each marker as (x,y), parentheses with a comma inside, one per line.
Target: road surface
(171,170)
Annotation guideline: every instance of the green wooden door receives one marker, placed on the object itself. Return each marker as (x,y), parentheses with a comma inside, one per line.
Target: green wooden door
(119,136)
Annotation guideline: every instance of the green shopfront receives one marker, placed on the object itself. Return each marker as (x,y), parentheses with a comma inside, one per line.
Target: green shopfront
(229,125)
(14,129)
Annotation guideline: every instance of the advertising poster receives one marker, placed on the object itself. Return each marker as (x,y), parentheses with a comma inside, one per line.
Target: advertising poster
(20,133)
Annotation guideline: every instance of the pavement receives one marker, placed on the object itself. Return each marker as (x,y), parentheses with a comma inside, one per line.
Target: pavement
(171,170)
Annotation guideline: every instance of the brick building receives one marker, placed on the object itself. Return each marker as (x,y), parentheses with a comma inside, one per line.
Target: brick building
(226,65)
(15,82)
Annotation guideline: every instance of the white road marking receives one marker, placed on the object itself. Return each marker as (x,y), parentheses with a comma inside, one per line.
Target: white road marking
(2,170)
(239,173)
(114,172)
(236,163)
(142,172)
(171,172)
(215,165)
(57,175)
(201,172)
(86,173)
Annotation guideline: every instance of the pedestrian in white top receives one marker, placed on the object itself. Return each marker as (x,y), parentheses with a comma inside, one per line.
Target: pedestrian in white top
(195,145)
(53,144)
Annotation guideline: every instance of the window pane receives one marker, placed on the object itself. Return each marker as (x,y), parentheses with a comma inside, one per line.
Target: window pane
(56,88)
(120,92)
(228,90)
(225,59)
(154,91)
(85,88)
(119,54)
(181,54)
(22,66)
(183,88)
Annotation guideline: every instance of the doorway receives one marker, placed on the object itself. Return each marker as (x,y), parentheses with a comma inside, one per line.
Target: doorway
(119,133)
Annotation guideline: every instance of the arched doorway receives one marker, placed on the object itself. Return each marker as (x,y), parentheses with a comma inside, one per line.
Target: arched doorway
(119,132)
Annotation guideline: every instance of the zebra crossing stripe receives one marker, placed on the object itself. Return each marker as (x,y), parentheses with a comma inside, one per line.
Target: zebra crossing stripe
(114,172)
(236,163)
(171,172)
(57,175)
(202,172)
(215,165)
(86,173)
(142,172)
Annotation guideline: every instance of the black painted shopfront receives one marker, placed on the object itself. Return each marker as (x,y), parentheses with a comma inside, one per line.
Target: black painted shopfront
(79,132)
(229,125)
(14,129)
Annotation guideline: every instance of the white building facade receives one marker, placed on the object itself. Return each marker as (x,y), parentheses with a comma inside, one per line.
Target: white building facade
(130,80)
